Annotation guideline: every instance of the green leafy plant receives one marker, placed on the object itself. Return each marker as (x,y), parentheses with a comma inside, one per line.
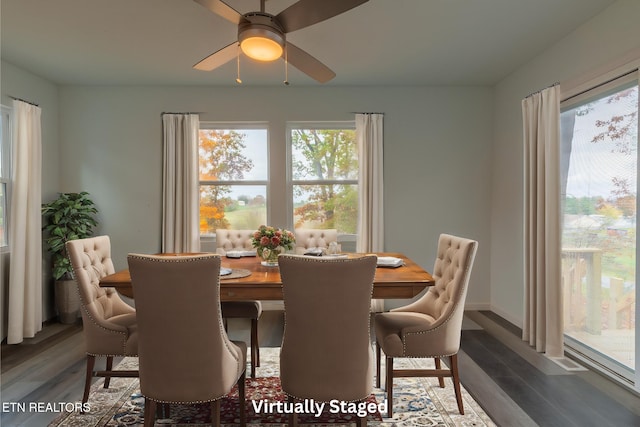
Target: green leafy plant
(69,217)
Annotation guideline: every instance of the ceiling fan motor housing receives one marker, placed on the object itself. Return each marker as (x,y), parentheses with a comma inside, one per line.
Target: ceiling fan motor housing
(260,24)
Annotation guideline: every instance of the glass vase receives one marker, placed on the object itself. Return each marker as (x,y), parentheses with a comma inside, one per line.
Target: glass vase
(270,256)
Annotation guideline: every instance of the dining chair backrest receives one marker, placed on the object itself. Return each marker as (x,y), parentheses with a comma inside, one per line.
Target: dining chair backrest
(444,302)
(185,354)
(91,260)
(326,349)
(233,240)
(307,238)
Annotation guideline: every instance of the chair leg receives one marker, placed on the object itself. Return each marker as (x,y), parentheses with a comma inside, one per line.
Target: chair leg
(389,386)
(377,365)
(255,351)
(241,399)
(91,361)
(293,417)
(439,366)
(362,421)
(215,413)
(109,367)
(456,382)
(149,412)
(163,410)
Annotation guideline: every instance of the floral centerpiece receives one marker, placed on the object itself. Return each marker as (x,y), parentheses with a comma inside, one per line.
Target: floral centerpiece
(270,242)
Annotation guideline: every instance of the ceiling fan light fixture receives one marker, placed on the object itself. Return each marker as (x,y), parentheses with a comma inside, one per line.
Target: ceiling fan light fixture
(262,41)
(261,48)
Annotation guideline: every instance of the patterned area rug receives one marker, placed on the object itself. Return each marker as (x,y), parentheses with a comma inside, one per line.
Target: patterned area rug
(417,402)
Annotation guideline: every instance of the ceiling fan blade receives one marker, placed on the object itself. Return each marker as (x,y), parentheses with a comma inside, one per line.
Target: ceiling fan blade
(218,58)
(308,12)
(221,8)
(308,64)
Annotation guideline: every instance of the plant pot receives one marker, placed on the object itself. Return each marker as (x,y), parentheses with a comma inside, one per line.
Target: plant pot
(67,301)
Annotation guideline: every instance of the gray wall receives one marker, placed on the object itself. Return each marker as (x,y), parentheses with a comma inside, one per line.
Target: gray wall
(600,41)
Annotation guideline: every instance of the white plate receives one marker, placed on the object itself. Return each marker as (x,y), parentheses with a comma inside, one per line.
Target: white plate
(240,254)
(389,261)
(225,271)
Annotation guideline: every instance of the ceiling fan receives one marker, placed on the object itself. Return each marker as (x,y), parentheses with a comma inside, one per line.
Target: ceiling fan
(262,36)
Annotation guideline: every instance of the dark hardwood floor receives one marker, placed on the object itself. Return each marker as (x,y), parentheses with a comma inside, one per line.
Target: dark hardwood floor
(515,385)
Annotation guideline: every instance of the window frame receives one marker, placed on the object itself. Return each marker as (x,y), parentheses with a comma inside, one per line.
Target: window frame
(345,238)
(597,88)
(221,125)
(6,146)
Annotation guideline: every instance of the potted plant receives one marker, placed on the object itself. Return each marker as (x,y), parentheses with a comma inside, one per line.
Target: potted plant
(71,216)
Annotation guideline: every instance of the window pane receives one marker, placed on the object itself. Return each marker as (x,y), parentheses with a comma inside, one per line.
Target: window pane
(326,206)
(324,154)
(233,154)
(599,226)
(232,206)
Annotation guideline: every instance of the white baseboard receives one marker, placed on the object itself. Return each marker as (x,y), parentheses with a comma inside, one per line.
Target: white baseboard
(477,306)
(506,316)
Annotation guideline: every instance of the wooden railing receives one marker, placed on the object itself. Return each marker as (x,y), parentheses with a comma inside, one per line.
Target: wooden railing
(583,296)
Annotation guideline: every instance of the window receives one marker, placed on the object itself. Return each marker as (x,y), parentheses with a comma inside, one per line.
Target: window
(599,238)
(324,178)
(318,186)
(233,167)
(5,174)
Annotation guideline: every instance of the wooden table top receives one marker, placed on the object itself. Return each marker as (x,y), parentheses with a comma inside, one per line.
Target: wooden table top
(264,283)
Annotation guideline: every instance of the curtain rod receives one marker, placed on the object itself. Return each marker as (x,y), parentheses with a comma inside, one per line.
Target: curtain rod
(368,112)
(601,84)
(538,91)
(24,100)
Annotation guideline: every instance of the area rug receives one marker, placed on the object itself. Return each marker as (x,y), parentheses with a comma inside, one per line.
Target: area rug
(417,402)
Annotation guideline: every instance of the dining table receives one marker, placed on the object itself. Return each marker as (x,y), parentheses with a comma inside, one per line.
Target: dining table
(250,280)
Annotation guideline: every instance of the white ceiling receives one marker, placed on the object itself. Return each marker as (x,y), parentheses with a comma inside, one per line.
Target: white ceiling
(382,42)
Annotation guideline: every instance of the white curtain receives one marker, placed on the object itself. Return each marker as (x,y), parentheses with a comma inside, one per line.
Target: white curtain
(25,225)
(370,238)
(369,134)
(180,201)
(543,326)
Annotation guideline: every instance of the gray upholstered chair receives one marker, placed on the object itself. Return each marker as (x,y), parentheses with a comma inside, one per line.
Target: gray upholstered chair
(307,238)
(184,353)
(240,240)
(109,324)
(326,349)
(430,326)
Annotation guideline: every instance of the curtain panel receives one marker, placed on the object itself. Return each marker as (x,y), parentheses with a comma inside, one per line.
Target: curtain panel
(369,136)
(25,225)
(543,326)
(180,201)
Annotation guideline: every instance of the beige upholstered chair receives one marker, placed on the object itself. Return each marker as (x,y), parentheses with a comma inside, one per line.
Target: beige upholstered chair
(184,352)
(109,324)
(430,326)
(326,349)
(238,240)
(307,238)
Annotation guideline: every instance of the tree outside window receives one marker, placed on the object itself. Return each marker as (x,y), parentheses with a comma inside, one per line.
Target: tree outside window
(324,167)
(233,178)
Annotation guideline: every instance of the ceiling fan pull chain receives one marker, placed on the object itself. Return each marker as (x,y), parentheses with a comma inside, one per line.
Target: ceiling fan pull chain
(238,80)
(286,67)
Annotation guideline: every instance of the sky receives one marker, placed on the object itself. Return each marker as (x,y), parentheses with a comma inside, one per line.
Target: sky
(592,165)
